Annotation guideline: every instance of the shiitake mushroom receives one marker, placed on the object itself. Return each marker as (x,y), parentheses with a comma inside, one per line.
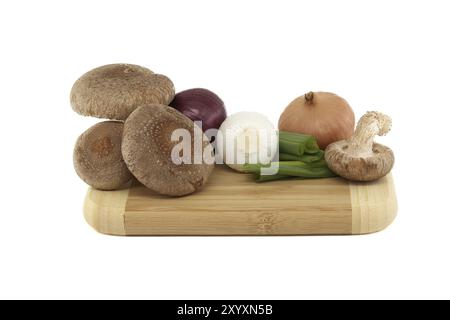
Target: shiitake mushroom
(114,91)
(147,150)
(359,158)
(97,156)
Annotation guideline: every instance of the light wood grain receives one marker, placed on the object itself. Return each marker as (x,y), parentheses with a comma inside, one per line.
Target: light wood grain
(233,204)
(105,210)
(374,205)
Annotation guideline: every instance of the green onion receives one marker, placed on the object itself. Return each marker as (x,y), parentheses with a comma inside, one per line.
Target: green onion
(306,172)
(288,169)
(291,147)
(300,158)
(308,158)
(297,144)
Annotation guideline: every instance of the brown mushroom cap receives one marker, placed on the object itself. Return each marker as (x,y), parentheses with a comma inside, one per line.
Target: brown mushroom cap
(114,91)
(98,159)
(147,149)
(359,158)
(357,168)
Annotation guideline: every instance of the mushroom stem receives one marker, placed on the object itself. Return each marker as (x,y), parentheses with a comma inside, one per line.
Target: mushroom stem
(309,97)
(370,125)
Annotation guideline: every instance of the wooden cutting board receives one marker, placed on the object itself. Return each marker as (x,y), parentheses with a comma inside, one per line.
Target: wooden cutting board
(233,204)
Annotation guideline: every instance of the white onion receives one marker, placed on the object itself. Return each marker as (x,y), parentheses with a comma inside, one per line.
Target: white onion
(246,137)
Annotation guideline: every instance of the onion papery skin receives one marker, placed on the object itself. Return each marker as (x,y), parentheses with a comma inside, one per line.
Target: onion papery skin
(201,105)
(243,123)
(326,116)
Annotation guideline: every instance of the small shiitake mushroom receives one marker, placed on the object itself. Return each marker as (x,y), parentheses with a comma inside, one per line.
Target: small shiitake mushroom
(147,150)
(98,159)
(359,158)
(114,91)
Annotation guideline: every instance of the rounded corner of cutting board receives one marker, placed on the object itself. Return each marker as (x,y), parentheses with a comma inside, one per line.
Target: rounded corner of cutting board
(374,205)
(104,211)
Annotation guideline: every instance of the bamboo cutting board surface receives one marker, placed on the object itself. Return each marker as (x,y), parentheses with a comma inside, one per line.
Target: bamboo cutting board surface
(233,204)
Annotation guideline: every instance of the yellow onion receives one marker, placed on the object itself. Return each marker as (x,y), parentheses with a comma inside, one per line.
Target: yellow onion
(326,116)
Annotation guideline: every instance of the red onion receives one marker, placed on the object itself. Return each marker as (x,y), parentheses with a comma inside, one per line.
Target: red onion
(201,105)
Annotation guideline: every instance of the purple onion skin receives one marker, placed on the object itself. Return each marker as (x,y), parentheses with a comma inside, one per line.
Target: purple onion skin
(201,105)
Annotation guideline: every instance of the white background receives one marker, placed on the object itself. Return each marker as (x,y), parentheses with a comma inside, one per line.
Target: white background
(391,56)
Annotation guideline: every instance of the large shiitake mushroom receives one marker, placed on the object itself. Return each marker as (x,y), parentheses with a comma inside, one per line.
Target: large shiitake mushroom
(98,159)
(147,150)
(360,158)
(114,91)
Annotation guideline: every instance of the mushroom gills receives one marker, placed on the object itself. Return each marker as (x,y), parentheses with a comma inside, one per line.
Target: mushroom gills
(360,158)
